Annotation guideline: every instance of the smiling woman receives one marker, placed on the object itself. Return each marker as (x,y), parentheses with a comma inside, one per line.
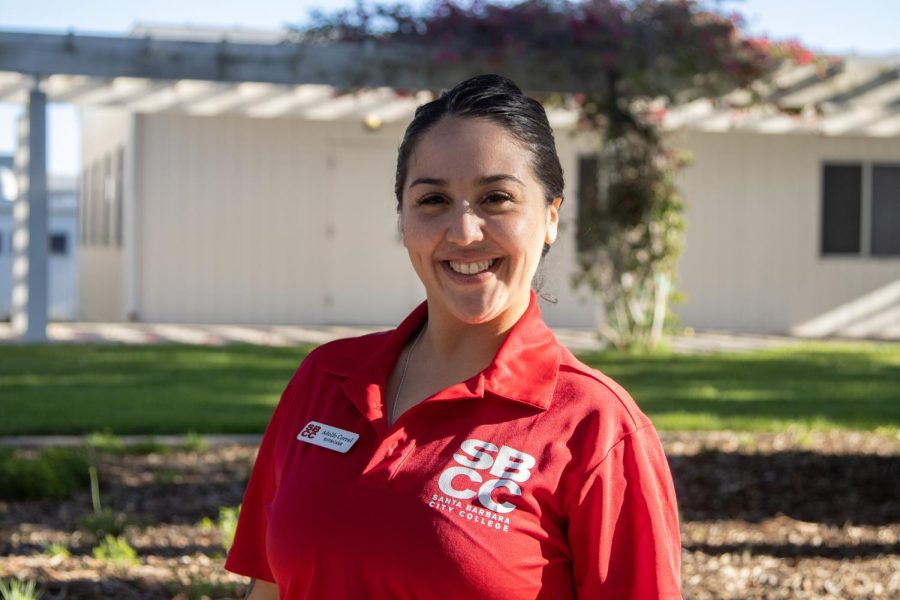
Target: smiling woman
(480,458)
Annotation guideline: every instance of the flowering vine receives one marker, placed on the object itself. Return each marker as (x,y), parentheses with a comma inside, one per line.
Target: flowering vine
(619,63)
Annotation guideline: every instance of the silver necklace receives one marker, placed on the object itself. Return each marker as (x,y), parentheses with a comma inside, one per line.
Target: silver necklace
(409,354)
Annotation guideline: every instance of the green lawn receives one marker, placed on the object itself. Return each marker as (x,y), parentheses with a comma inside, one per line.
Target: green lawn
(70,389)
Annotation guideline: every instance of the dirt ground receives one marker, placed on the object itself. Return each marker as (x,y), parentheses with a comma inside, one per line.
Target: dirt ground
(767,516)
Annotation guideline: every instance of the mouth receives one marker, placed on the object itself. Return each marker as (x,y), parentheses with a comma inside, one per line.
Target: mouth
(471,268)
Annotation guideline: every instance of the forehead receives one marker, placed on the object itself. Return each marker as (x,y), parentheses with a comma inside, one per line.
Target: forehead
(468,148)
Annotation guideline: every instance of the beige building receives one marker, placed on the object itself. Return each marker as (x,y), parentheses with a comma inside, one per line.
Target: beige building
(257,203)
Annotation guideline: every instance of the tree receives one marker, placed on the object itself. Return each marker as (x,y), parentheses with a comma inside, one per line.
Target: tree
(621,63)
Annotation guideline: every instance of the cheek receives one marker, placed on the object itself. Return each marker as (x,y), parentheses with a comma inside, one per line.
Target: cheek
(526,236)
(417,235)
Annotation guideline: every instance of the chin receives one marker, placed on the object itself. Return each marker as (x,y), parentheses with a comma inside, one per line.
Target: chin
(477,311)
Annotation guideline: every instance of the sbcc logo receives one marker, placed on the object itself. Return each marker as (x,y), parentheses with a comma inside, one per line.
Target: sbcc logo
(510,468)
(310,431)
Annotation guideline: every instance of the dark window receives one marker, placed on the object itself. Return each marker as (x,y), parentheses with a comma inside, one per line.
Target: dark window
(886,210)
(59,243)
(841,209)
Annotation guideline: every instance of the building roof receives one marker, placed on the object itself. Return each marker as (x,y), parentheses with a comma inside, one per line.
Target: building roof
(856,96)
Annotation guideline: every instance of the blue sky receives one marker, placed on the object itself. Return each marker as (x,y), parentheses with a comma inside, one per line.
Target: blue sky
(831,26)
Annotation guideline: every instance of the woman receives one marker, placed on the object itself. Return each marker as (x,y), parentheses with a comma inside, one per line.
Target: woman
(465,453)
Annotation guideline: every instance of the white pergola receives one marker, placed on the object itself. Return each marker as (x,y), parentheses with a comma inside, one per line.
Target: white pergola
(210,72)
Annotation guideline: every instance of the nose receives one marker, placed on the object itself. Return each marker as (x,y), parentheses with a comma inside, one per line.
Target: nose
(465,227)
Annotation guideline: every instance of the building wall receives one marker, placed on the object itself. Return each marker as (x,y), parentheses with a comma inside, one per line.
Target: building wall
(106,133)
(752,260)
(268,221)
(287,221)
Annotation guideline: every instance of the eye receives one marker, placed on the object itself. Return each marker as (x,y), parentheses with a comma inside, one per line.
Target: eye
(497,198)
(430,199)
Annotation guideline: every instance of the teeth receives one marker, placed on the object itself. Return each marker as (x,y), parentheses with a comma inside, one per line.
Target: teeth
(471,268)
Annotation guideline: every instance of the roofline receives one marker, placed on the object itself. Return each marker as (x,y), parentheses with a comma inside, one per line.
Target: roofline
(342,65)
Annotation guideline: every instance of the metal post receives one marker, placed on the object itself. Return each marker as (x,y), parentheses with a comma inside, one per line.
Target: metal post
(29,301)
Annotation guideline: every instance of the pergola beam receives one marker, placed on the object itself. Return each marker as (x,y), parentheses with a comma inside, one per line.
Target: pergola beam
(341,65)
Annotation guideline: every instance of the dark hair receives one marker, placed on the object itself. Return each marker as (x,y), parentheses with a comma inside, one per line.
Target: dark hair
(498,100)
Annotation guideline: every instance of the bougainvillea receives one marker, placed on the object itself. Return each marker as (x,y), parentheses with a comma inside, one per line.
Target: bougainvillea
(619,63)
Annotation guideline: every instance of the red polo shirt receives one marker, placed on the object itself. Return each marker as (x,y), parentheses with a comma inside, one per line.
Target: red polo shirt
(537,478)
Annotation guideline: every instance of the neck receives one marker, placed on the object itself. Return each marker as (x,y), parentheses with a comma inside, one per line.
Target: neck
(451,341)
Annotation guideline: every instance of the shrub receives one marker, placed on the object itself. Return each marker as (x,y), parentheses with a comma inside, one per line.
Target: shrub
(116,551)
(16,589)
(52,473)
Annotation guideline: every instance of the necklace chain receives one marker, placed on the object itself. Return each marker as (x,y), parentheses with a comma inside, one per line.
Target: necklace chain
(409,354)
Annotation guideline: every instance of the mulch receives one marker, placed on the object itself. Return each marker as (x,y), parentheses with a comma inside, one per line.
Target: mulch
(764,516)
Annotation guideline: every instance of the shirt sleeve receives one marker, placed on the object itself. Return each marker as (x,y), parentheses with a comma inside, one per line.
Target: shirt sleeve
(247,555)
(623,526)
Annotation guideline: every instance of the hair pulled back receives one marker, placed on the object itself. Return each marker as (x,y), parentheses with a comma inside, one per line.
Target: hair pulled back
(496,99)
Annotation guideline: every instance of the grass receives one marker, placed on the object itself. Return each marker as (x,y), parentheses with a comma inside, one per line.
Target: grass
(813,385)
(77,389)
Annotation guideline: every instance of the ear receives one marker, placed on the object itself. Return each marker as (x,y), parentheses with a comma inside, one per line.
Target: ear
(553,220)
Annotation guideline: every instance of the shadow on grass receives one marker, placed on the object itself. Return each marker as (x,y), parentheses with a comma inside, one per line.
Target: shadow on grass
(852,388)
(142,389)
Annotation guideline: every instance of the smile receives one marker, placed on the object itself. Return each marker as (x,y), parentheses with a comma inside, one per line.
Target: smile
(471,268)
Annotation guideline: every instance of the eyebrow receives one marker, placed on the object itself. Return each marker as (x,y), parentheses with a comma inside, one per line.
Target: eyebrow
(484,180)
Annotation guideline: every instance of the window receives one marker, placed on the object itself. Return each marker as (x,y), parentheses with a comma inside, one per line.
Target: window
(885,210)
(861,209)
(59,243)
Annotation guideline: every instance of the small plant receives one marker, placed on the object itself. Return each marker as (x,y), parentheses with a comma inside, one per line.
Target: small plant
(106,522)
(106,442)
(195,442)
(167,476)
(116,551)
(149,445)
(58,550)
(17,589)
(103,521)
(200,589)
(228,518)
(52,473)
(206,524)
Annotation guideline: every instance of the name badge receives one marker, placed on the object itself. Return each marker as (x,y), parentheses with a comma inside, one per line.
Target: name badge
(326,436)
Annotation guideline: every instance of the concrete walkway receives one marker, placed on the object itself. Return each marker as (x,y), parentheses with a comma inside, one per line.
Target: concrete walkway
(577,340)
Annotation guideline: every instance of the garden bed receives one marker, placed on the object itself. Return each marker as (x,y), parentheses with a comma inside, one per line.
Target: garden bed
(787,515)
